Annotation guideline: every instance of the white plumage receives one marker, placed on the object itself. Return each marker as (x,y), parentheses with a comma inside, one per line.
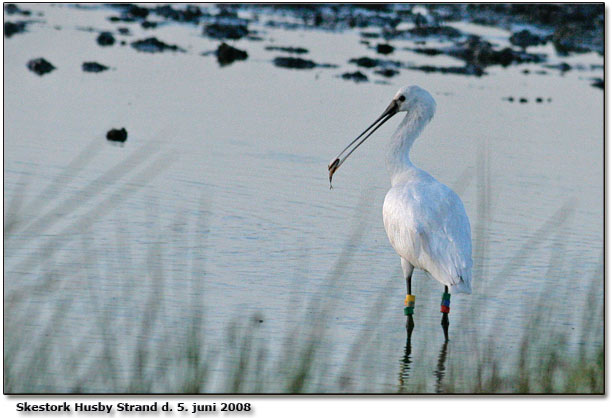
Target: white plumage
(425,220)
(428,228)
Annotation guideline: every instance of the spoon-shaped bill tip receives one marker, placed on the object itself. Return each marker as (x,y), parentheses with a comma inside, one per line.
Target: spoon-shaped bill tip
(332,167)
(391,110)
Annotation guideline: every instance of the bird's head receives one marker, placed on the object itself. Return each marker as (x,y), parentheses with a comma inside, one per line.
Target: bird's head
(412,99)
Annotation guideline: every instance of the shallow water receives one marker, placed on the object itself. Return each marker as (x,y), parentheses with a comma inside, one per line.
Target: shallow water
(242,218)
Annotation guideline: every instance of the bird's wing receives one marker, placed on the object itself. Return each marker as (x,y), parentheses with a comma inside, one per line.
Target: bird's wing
(427,224)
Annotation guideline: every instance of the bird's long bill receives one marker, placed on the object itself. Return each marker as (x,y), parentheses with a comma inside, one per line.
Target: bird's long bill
(391,110)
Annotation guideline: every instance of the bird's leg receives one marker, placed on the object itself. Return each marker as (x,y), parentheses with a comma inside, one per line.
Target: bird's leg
(408,311)
(410,298)
(445,309)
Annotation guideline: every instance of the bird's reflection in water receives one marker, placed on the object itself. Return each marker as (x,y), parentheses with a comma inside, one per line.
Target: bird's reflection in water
(406,365)
(441,367)
(406,361)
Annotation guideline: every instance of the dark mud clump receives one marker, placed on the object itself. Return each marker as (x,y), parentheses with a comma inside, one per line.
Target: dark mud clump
(129,12)
(599,83)
(227,54)
(384,49)
(469,69)
(287,49)
(299,63)
(13,9)
(370,35)
(148,25)
(386,68)
(526,39)
(116,19)
(40,66)
(427,51)
(93,67)
(117,135)
(524,100)
(12,28)
(154,45)
(136,12)
(105,39)
(357,77)
(226,31)
(295,63)
(439,32)
(387,72)
(190,14)
(365,62)
(563,67)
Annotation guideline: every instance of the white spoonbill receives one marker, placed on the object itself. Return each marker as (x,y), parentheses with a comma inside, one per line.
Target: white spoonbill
(425,220)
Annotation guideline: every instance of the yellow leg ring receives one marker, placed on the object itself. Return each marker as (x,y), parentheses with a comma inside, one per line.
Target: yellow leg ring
(410,299)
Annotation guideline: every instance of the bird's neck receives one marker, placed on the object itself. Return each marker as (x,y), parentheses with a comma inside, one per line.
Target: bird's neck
(398,153)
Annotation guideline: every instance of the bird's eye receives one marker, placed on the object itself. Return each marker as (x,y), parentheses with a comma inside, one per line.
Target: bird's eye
(401,98)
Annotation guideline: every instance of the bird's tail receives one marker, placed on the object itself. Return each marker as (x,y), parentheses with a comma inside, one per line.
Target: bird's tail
(463,286)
